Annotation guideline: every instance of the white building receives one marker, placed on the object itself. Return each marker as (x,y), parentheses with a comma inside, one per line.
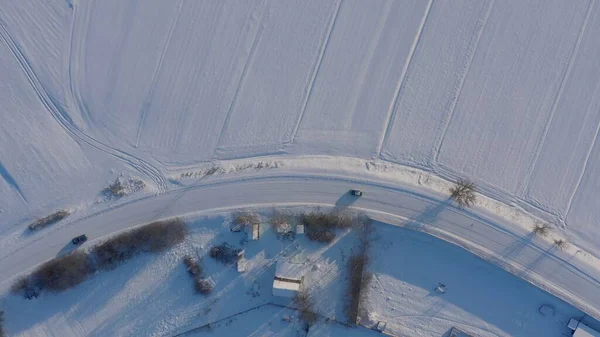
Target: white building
(582,330)
(288,279)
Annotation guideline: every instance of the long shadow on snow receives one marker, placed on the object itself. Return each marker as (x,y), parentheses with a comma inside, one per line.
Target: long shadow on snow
(81,301)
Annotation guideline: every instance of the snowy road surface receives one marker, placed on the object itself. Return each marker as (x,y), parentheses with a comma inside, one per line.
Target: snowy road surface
(528,257)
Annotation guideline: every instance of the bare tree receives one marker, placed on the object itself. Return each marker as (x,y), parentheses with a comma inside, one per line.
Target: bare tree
(306,307)
(463,192)
(541,229)
(561,244)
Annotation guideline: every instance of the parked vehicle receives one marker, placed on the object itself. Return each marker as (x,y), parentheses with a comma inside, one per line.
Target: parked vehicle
(79,239)
(357,193)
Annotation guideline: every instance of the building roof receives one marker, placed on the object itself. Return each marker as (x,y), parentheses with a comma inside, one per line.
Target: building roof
(285,288)
(585,331)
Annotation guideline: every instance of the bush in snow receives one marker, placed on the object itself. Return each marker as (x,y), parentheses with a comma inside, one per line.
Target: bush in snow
(327,220)
(245,218)
(193,268)
(48,220)
(463,192)
(203,286)
(324,236)
(561,244)
(121,187)
(63,272)
(320,226)
(155,237)
(541,229)
(224,253)
(306,307)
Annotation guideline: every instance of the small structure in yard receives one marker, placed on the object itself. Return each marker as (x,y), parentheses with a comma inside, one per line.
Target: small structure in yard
(254,233)
(242,265)
(546,310)
(582,330)
(288,279)
(381,326)
(300,229)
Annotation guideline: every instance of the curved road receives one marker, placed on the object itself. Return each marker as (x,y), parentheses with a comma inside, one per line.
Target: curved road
(539,263)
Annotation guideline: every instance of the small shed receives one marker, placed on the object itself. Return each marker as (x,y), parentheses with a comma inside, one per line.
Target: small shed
(583,330)
(288,279)
(300,229)
(254,233)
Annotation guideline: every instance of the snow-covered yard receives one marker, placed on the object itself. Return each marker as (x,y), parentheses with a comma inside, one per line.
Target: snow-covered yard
(152,295)
(479,297)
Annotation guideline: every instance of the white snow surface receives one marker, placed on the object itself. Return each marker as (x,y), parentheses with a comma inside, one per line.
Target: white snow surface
(506,93)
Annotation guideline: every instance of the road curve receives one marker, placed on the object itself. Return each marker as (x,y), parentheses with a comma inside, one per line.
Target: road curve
(551,269)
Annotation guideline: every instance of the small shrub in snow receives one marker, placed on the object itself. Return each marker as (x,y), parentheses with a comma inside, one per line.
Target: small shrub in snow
(245,218)
(463,192)
(203,286)
(561,244)
(306,307)
(327,220)
(19,286)
(155,237)
(541,229)
(225,253)
(324,236)
(48,220)
(63,272)
(193,268)
(121,187)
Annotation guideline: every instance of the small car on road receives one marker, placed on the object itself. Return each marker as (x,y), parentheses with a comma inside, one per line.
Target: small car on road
(79,239)
(356,193)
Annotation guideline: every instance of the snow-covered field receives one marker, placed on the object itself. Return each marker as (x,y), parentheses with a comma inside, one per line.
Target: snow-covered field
(506,93)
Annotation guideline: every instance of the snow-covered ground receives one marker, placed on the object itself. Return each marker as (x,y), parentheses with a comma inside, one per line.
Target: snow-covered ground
(506,93)
(480,298)
(152,295)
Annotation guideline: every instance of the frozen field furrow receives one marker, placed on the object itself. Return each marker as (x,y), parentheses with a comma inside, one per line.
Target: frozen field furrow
(507,96)
(113,64)
(271,94)
(41,29)
(198,79)
(568,143)
(434,80)
(369,45)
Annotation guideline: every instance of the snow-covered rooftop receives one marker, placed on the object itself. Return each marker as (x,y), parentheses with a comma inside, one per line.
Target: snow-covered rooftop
(585,331)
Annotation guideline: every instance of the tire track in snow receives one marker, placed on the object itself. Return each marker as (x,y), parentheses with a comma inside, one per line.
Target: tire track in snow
(67,124)
(585,166)
(146,104)
(255,40)
(566,76)
(446,123)
(316,68)
(392,110)
(65,121)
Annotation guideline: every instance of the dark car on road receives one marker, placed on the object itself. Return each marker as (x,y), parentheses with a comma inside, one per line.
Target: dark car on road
(356,193)
(79,240)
